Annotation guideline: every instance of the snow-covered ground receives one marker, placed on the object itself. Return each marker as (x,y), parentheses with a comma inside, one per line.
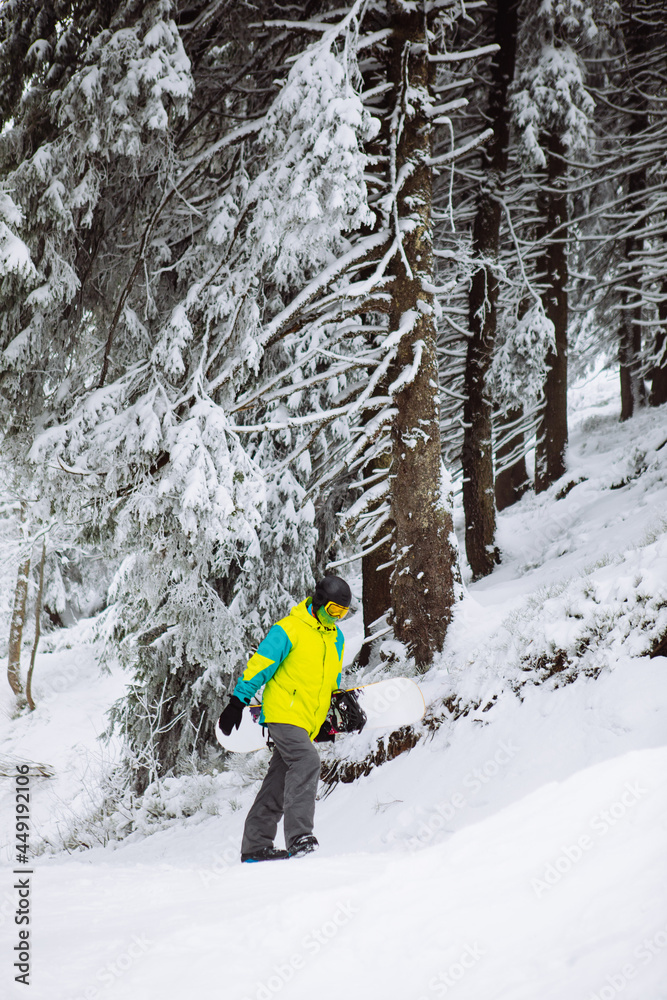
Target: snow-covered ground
(517,852)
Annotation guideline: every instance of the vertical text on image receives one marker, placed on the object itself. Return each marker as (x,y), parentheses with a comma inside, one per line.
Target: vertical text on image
(22,884)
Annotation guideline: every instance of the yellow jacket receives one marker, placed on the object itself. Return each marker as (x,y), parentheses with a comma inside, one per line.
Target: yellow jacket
(300,663)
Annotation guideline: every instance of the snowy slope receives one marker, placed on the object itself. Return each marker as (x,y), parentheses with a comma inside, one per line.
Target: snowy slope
(517,852)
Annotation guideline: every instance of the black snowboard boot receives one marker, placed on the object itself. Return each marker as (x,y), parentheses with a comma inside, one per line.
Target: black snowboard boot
(303,845)
(265,854)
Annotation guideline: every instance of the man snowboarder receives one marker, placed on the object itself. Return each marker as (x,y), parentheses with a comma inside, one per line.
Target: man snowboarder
(300,663)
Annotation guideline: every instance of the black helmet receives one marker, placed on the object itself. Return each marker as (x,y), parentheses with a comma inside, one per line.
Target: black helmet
(332,588)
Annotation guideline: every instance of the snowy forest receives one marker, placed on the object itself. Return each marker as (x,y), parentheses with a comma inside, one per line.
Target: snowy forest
(376,289)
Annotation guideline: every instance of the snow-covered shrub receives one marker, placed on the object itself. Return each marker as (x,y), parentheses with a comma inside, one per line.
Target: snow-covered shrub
(581,626)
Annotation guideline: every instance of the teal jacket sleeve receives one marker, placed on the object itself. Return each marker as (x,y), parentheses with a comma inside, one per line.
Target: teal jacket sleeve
(263,664)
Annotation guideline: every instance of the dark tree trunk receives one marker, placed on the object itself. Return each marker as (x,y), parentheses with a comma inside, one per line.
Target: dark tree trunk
(376,584)
(477,453)
(629,362)
(422,580)
(512,482)
(633,391)
(552,429)
(659,372)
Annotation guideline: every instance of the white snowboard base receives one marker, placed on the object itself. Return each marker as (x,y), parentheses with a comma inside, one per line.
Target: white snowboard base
(392,703)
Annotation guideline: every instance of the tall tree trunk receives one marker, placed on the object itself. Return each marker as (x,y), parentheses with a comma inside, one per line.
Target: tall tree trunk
(629,362)
(659,372)
(512,481)
(18,614)
(477,453)
(38,615)
(552,429)
(633,392)
(422,580)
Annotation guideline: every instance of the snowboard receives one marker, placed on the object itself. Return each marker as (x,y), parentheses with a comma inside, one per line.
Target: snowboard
(387,704)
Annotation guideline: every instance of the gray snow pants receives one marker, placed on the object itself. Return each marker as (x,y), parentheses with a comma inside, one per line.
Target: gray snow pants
(289,788)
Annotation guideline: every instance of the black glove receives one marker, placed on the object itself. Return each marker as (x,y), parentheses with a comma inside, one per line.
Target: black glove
(327,733)
(230,717)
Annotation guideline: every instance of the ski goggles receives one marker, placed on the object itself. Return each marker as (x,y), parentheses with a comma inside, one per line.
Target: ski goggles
(336,611)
